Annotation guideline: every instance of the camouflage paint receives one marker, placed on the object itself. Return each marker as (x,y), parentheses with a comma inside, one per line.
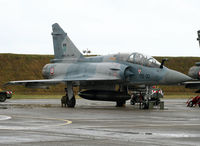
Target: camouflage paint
(97,72)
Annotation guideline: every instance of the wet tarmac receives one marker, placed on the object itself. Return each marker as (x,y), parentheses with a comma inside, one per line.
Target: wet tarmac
(31,122)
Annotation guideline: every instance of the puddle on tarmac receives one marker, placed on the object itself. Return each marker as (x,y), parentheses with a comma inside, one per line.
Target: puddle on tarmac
(3,107)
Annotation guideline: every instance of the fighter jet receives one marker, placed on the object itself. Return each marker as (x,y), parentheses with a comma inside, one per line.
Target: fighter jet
(194,72)
(107,78)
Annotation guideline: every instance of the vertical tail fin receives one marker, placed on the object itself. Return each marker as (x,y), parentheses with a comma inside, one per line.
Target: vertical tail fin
(63,46)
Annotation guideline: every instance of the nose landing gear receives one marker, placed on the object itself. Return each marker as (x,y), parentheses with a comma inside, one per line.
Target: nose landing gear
(147,98)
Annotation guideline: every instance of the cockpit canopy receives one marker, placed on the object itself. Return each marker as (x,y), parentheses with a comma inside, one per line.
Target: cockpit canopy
(138,58)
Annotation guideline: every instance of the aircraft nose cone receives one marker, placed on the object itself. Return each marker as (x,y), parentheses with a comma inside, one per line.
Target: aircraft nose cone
(174,77)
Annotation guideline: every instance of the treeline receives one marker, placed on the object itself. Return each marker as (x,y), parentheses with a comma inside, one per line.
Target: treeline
(29,67)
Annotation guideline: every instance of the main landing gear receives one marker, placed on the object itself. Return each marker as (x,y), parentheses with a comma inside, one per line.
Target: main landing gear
(69,98)
(120,103)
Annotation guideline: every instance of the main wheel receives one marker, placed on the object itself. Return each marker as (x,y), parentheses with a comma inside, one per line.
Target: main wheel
(64,101)
(2,98)
(145,105)
(71,103)
(157,102)
(120,103)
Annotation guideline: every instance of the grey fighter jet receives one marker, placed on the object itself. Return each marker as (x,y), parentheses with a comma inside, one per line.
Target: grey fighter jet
(108,78)
(194,72)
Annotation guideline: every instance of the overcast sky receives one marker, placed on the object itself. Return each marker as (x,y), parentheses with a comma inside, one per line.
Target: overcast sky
(154,27)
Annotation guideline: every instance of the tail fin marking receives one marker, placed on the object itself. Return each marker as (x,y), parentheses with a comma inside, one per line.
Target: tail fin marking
(63,46)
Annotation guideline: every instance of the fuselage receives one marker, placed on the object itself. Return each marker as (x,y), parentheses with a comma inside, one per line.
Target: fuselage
(130,69)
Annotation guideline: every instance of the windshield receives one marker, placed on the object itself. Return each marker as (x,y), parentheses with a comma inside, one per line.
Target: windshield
(145,60)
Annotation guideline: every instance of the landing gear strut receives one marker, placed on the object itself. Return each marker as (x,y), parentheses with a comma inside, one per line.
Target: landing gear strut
(69,99)
(145,103)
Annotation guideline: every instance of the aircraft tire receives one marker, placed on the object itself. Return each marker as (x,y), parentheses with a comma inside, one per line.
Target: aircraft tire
(157,102)
(64,101)
(2,98)
(71,103)
(120,103)
(145,105)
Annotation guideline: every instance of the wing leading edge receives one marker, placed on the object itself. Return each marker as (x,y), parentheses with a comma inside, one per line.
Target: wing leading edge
(49,82)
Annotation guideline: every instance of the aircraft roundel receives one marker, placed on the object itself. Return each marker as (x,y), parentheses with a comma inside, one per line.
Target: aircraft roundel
(52,70)
(139,71)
